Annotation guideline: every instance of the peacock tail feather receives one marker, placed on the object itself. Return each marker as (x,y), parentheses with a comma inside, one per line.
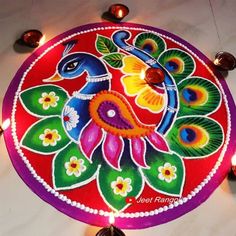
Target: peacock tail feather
(198,96)
(195,136)
(150,43)
(178,63)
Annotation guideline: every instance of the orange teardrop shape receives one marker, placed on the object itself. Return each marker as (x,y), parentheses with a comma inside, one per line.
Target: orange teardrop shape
(111,111)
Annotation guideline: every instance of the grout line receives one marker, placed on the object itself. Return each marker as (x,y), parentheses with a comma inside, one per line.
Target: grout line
(217,29)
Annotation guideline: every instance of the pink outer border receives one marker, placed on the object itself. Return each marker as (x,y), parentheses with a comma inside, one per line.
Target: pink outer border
(126,223)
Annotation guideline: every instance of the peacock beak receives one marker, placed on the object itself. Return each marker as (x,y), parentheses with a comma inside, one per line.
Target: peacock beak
(55,78)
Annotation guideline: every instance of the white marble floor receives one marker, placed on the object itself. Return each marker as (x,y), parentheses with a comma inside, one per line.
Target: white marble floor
(208,25)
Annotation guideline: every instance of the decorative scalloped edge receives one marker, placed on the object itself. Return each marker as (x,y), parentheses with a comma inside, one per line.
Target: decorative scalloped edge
(62,197)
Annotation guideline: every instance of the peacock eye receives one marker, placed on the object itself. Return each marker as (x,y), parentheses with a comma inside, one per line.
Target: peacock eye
(71,66)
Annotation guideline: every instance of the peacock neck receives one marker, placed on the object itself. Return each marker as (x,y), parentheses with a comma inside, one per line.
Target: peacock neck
(98,78)
(91,88)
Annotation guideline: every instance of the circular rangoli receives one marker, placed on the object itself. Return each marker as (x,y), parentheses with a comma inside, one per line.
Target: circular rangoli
(90,135)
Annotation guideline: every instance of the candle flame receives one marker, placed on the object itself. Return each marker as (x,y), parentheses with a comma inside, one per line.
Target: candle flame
(6,124)
(42,40)
(111,218)
(142,74)
(233,160)
(120,13)
(217,61)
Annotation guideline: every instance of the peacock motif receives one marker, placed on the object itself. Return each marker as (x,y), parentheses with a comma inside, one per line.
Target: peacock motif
(95,133)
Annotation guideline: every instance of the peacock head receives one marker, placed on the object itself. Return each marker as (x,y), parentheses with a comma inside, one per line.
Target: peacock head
(70,66)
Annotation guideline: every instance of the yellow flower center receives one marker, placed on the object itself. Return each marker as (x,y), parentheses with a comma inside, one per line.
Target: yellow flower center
(47,99)
(73,165)
(120,186)
(167,172)
(48,136)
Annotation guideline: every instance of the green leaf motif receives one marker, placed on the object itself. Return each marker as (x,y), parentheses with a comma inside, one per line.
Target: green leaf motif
(45,100)
(159,162)
(66,175)
(115,186)
(114,60)
(45,136)
(104,45)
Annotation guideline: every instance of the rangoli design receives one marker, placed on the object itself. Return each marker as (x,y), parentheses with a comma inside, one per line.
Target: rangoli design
(90,135)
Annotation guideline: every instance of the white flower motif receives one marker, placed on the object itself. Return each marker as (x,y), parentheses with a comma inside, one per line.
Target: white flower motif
(167,172)
(70,117)
(121,186)
(48,100)
(75,166)
(50,137)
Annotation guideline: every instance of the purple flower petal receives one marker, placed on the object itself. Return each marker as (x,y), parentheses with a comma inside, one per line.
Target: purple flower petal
(90,138)
(158,142)
(113,146)
(138,151)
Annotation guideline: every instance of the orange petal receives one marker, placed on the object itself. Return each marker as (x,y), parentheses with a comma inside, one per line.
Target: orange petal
(133,65)
(151,100)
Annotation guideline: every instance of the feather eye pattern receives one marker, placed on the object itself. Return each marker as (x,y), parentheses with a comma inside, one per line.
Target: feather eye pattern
(178,63)
(150,43)
(198,96)
(195,137)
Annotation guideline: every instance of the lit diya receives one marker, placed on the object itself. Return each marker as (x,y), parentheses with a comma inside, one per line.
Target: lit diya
(225,61)
(32,38)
